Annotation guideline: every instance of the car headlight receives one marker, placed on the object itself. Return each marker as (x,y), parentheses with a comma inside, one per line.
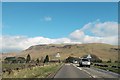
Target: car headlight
(88,62)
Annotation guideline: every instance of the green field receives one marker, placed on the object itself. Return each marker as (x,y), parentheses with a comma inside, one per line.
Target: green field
(34,72)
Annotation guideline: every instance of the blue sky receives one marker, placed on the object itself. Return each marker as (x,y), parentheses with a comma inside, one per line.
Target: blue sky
(28,18)
(33,23)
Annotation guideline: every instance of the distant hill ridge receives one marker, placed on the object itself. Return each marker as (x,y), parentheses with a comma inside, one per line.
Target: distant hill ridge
(103,51)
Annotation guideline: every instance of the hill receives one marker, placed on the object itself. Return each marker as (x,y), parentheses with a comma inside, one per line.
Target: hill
(103,51)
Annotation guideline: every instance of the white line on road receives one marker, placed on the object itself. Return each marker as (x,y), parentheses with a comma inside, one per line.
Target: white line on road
(79,68)
(67,64)
(94,76)
(91,75)
(83,70)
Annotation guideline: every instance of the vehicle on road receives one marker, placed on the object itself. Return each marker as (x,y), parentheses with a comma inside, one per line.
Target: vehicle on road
(75,61)
(84,62)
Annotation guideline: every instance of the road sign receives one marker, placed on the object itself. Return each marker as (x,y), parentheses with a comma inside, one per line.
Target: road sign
(89,56)
(57,55)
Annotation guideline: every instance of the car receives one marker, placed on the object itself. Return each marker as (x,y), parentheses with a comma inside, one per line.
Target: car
(85,62)
(75,62)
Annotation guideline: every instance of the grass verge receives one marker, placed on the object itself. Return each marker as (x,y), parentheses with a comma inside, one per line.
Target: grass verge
(34,72)
(115,70)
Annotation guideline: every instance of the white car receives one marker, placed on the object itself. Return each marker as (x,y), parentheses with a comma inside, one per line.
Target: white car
(84,62)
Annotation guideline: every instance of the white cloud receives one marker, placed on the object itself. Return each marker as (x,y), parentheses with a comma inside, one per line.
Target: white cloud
(91,39)
(47,18)
(110,40)
(78,34)
(104,29)
(61,40)
(106,32)
(15,43)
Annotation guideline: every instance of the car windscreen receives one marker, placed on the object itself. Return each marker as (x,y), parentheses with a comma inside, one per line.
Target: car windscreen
(85,60)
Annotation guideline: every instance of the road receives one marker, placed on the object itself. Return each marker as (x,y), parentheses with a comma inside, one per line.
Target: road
(73,71)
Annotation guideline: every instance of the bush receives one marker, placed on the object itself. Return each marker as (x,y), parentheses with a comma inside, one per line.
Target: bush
(109,61)
(10,59)
(28,58)
(21,59)
(70,59)
(37,60)
(98,61)
(46,59)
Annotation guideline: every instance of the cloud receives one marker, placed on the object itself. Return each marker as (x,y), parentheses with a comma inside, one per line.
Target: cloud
(77,34)
(93,32)
(104,29)
(47,18)
(97,32)
(16,43)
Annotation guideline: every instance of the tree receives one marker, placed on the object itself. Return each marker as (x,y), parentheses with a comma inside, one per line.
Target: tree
(28,58)
(46,59)
(70,59)
(109,61)
(10,59)
(37,60)
(116,61)
(21,59)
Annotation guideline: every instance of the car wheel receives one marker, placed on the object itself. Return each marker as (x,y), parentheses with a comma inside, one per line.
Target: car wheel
(89,66)
(80,65)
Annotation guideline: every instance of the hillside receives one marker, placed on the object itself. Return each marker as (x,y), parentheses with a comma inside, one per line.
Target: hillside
(4,55)
(103,51)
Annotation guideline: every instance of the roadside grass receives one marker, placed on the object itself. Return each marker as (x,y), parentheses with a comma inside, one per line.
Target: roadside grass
(110,68)
(12,66)
(116,70)
(111,64)
(34,72)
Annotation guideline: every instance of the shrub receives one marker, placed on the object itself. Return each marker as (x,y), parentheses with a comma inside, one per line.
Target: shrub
(109,61)
(70,59)
(28,58)
(10,59)
(21,59)
(37,60)
(46,59)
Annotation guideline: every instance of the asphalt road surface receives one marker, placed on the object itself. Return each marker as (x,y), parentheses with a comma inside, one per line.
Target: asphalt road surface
(73,71)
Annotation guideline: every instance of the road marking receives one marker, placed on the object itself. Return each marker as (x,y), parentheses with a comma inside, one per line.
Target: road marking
(79,68)
(91,75)
(67,64)
(83,69)
(94,76)
(86,72)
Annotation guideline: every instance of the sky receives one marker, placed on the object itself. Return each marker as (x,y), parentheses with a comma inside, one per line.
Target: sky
(60,0)
(32,23)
